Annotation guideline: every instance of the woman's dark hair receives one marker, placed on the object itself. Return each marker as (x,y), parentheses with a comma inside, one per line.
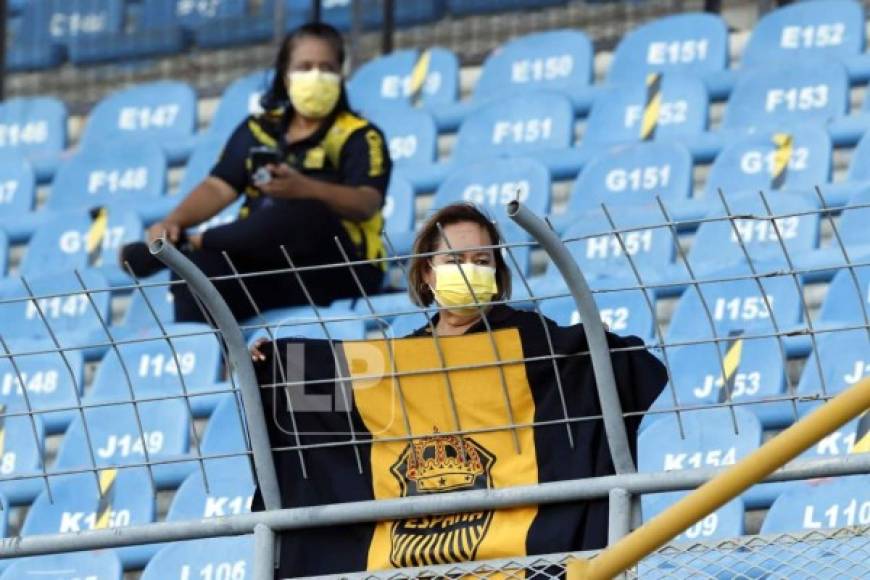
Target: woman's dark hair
(275,96)
(427,242)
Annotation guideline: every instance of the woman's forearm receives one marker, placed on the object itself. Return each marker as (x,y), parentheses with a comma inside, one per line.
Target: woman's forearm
(205,201)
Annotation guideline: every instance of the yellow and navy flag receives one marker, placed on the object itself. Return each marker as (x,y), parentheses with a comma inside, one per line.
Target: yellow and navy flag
(103,515)
(862,434)
(96,234)
(730,364)
(418,77)
(474,416)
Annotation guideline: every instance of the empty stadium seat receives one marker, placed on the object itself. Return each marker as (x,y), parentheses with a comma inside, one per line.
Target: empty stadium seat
(35,126)
(769,97)
(852,230)
(599,252)
(294,326)
(634,175)
(200,164)
(80,240)
(21,457)
(116,439)
(709,438)
(690,43)
(339,13)
(230,491)
(242,25)
(71,315)
(17,196)
(95,565)
(466,7)
(411,135)
(624,313)
(398,212)
(240,99)
(77,504)
(187,363)
(798,158)
(429,78)
(53,381)
(230,557)
(841,360)
(121,173)
(821,504)
(717,244)
(725,522)
(224,434)
(164,111)
(833,29)
(845,303)
(736,305)
(740,370)
(658,107)
(4,252)
(492,184)
(157,298)
(405,324)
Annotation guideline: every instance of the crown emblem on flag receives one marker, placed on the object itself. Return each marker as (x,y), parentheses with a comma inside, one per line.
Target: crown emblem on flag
(443,463)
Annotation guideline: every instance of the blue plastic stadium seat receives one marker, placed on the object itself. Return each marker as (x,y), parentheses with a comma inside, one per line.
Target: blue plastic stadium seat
(410,133)
(96,565)
(403,325)
(725,522)
(240,99)
(737,305)
(466,7)
(691,43)
(308,327)
(743,370)
(121,173)
(72,316)
(556,60)
(53,382)
(36,127)
(4,252)
(798,158)
(599,252)
(773,96)
(845,304)
(717,244)
(139,317)
(236,24)
(164,111)
(390,80)
(64,243)
(820,504)
(624,313)
(4,517)
(833,29)
(628,113)
(634,175)
(492,184)
(17,196)
(842,359)
(21,457)
(224,434)
(709,438)
(230,557)
(116,440)
(127,500)
(230,491)
(153,367)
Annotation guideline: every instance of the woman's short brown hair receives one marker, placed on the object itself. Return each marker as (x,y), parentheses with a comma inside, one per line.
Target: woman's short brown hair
(427,242)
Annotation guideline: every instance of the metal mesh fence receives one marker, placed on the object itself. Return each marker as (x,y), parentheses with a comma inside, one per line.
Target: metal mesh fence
(749,336)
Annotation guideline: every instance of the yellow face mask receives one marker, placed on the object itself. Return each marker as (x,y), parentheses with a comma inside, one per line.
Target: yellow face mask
(313,92)
(452,291)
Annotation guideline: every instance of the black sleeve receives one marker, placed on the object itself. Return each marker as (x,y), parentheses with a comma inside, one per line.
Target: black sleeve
(230,166)
(365,160)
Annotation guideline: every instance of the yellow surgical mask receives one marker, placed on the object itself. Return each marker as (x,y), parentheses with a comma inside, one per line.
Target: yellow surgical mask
(313,92)
(454,291)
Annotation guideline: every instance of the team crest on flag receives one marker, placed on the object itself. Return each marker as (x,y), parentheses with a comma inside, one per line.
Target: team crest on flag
(437,464)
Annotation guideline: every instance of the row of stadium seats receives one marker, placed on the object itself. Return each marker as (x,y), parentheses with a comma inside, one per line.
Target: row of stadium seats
(47,32)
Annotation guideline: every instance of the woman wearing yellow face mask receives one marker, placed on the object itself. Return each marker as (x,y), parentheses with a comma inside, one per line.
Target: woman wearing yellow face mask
(311,172)
(464,276)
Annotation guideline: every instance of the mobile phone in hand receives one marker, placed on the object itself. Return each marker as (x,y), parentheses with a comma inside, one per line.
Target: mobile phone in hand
(261,157)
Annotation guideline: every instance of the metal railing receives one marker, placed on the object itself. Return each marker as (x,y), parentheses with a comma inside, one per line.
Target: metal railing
(622,488)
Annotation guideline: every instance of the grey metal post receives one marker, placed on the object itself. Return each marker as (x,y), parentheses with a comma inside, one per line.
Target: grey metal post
(619,518)
(239,364)
(599,352)
(264,552)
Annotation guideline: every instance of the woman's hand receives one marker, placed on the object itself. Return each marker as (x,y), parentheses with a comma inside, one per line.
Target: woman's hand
(168,229)
(257,355)
(285,182)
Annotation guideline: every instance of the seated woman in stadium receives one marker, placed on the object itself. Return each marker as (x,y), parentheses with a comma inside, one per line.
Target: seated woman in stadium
(529,413)
(313,174)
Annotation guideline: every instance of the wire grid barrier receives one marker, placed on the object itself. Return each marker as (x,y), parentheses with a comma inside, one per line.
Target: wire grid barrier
(142,457)
(842,553)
